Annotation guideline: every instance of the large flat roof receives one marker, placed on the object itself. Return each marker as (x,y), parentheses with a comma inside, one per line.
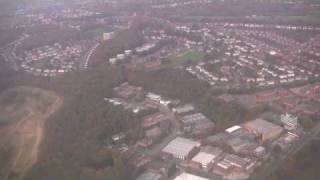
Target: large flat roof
(187,176)
(262,126)
(203,158)
(181,146)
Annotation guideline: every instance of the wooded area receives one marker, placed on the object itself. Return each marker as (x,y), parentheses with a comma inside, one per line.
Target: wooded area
(304,165)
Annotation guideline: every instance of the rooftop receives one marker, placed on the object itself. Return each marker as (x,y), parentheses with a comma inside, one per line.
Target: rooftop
(203,158)
(187,176)
(149,176)
(184,109)
(181,146)
(233,128)
(262,126)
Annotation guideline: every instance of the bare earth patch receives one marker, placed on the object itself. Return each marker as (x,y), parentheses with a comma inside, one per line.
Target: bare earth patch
(24,132)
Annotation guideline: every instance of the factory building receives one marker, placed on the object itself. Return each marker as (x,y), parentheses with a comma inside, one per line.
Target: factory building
(263,129)
(290,122)
(149,176)
(181,148)
(184,109)
(204,160)
(197,124)
(187,176)
(206,157)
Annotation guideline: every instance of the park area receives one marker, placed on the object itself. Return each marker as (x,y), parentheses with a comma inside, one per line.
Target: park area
(187,56)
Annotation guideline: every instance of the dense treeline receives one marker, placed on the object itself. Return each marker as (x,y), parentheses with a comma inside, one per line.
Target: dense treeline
(8,77)
(304,165)
(72,146)
(227,114)
(175,83)
(47,35)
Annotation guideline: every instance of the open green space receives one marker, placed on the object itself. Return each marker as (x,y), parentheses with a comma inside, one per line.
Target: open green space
(187,56)
(41,64)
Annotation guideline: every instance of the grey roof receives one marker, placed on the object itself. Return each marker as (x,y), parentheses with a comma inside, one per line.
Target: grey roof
(181,146)
(149,176)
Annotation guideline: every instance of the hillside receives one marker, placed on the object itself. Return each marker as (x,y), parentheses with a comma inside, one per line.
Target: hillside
(23,112)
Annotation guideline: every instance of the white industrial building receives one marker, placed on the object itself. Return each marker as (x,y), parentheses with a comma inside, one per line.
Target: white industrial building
(181,148)
(107,36)
(204,159)
(184,109)
(194,118)
(290,122)
(187,176)
(233,129)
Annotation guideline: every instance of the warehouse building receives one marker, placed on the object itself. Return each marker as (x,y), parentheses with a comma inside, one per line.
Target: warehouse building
(197,124)
(290,122)
(149,176)
(181,148)
(264,129)
(233,129)
(184,109)
(154,119)
(236,144)
(204,160)
(187,176)
(193,118)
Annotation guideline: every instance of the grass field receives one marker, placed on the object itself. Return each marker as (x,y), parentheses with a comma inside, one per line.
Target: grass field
(42,64)
(190,55)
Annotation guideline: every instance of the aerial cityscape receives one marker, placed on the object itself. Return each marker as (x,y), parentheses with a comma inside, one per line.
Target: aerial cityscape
(159,90)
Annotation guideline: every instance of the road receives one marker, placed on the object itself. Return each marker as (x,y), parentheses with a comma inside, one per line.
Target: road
(273,165)
(84,64)
(8,52)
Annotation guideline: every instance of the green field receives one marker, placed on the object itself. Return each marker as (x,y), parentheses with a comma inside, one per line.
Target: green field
(41,64)
(187,56)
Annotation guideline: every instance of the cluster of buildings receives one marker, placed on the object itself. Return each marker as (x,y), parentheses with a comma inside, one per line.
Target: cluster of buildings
(173,4)
(156,126)
(193,123)
(254,58)
(54,60)
(268,26)
(178,142)
(236,152)
(74,13)
(127,54)
(303,100)
(55,16)
(157,120)
(131,98)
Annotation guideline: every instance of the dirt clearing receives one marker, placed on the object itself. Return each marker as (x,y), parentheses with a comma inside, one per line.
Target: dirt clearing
(23,113)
